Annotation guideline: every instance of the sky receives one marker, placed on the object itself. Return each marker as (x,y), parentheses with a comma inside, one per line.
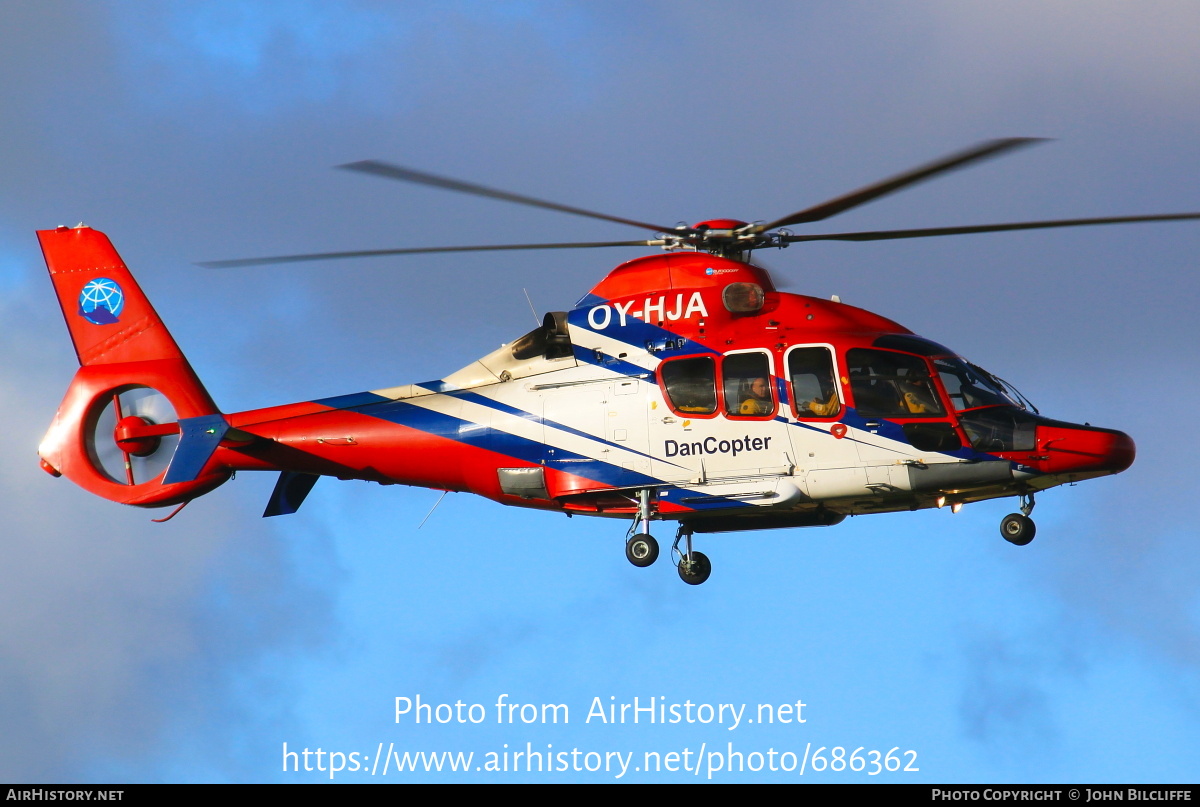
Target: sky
(203,649)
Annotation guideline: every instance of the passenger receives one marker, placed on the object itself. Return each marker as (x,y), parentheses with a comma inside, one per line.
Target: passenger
(758,399)
(812,383)
(823,409)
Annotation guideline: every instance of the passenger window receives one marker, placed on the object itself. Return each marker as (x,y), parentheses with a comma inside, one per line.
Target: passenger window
(747,385)
(814,393)
(887,384)
(691,385)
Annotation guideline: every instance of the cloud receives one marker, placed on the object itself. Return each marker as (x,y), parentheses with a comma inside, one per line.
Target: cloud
(119,636)
(259,57)
(262,59)
(1004,702)
(1071,63)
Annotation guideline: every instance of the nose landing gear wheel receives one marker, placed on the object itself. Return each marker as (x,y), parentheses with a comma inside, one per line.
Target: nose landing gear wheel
(695,569)
(642,550)
(1017,529)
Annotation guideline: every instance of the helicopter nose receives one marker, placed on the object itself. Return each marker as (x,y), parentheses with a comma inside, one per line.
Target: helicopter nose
(1121,453)
(1071,447)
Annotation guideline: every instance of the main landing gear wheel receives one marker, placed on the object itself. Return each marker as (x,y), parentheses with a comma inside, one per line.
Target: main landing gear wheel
(695,569)
(642,550)
(1017,529)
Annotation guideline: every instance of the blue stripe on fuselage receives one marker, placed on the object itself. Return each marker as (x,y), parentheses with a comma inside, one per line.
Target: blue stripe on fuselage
(531,451)
(638,334)
(501,442)
(507,409)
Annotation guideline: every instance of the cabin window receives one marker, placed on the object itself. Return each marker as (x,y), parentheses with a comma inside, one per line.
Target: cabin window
(747,385)
(814,393)
(887,384)
(691,385)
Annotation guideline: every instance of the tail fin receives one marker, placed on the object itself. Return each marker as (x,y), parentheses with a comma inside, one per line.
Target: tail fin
(120,425)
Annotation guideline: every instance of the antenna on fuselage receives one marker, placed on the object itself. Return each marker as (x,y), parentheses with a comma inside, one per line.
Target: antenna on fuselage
(531,308)
(431,509)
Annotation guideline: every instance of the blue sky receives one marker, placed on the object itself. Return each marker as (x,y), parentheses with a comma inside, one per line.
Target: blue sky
(192,651)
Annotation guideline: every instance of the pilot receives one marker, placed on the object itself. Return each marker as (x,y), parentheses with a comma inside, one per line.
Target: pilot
(874,393)
(758,399)
(918,397)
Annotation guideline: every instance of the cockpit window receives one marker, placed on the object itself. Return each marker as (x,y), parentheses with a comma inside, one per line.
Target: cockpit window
(691,385)
(969,387)
(1004,429)
(887,384)
(813,391)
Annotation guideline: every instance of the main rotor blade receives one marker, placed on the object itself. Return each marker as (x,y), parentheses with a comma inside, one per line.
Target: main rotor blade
(824,210)
(370,253)
(889,235)
(390,171)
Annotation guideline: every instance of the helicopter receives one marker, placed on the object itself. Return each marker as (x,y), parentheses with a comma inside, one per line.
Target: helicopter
(684,387)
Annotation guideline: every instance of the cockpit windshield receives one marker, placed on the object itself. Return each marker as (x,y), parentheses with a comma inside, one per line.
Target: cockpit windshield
(971,387)
(890,383)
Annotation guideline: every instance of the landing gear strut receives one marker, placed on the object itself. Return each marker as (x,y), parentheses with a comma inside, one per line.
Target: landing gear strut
(641,549)
(1018,528)
(693,567)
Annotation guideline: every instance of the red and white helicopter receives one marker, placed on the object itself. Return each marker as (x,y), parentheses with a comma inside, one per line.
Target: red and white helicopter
(683,387)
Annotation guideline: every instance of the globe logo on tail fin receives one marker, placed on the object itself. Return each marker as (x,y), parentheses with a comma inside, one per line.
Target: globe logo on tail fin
(101,301)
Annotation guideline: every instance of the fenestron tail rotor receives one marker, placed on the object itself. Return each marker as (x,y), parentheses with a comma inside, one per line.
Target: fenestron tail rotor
(134,395)
(132,435)
(726,237)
